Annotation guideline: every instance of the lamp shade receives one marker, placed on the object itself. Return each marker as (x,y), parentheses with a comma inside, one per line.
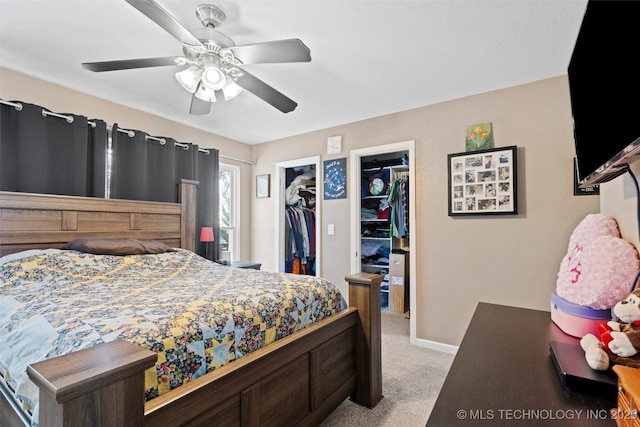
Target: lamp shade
(213,78)
(189,78)
(230,90)
(206,94)
(206,234)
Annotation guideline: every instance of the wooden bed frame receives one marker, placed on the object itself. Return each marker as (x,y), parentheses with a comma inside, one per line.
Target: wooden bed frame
(298,380)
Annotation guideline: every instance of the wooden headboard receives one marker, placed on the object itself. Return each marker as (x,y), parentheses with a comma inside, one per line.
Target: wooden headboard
(37,221)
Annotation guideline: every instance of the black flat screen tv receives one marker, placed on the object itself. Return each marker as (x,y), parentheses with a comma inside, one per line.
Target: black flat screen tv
(604,84)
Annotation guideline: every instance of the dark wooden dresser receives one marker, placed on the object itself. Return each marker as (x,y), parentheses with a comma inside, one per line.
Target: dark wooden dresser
(503,375)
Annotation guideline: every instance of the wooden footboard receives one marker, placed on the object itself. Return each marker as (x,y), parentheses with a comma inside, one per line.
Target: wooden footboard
(298,380)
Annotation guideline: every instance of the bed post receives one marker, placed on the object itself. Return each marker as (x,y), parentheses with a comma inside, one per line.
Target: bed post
(364,294)
(98,386)
(188,216)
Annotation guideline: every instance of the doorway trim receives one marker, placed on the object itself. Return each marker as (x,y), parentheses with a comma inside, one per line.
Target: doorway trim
(354,189)
(280,176)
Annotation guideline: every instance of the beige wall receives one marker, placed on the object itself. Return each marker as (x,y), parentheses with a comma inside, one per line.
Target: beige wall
(510,260)
(20,87)
(618,199)
(502,259)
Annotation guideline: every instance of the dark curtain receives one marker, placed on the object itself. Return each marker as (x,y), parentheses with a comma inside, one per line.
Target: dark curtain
(208,206)
(47,154)
(97,164)
(143,168)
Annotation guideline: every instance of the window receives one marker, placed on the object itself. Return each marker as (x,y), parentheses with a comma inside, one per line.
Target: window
(229,177)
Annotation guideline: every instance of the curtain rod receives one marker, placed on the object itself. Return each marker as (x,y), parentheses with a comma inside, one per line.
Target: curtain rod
(131,133)
(17,106)
(249,162)
(45,113)
(163,141)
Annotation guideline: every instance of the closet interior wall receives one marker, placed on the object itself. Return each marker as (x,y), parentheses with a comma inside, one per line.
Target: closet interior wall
(384,225)
(300,220)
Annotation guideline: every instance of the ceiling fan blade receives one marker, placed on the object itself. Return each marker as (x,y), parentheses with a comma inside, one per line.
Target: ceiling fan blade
(289,50)
(264,91)
(163,18)
(199,107)
(125,64)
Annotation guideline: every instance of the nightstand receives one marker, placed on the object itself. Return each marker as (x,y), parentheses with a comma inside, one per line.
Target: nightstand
(246,264)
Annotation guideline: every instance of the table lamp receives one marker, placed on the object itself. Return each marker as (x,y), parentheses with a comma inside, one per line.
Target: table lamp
(206,236)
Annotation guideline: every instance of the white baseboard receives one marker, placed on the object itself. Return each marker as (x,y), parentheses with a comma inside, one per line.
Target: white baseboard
(434,345)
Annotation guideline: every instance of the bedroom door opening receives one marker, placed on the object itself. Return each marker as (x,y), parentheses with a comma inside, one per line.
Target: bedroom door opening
(298,234)
(380,238)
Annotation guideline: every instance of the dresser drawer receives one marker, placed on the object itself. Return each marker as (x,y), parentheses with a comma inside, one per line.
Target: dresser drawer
(627,414)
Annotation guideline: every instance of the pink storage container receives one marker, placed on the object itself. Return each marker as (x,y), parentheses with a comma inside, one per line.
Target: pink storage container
(576,320)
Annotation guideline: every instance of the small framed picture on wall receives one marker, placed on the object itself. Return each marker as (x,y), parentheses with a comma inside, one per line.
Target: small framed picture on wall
(263,186)
(335,179)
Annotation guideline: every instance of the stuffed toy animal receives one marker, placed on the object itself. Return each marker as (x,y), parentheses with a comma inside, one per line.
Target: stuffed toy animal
(619,342)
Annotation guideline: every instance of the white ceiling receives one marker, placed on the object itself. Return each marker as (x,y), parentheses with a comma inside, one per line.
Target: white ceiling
(369,58)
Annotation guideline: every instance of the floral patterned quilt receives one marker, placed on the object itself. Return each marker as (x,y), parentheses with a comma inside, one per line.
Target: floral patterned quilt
(195,314)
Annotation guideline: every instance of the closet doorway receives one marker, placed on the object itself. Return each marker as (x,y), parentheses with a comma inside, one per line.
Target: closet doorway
(360,166)
(297,228)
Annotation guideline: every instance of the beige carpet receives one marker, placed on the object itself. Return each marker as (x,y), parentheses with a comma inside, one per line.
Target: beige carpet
(411,380)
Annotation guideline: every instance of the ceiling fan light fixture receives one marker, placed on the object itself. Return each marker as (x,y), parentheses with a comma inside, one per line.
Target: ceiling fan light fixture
(206,94)
(189,78)
(231,89)
(213,78)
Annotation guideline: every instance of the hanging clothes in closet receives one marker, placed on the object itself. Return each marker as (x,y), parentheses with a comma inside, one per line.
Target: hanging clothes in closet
(399,202)
(300,227)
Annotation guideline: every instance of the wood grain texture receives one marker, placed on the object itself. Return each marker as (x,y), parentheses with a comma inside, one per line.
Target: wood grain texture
(249,380)
(297,380)
(69,220)
(364,293)
(72,375)
(37,221)
(627,412)
(188,210)
(99,386)
(503,369)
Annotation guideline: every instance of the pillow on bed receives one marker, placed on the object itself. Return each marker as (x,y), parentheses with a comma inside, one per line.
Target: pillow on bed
(117,246)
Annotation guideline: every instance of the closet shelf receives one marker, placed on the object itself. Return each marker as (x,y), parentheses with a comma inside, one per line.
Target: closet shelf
(376,265)
(376,240)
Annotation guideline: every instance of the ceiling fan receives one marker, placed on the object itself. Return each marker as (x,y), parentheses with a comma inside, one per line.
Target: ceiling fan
(213,59)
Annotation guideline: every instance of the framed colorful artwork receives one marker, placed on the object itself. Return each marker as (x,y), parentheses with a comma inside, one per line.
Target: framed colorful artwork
(479,137)
(335,179)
